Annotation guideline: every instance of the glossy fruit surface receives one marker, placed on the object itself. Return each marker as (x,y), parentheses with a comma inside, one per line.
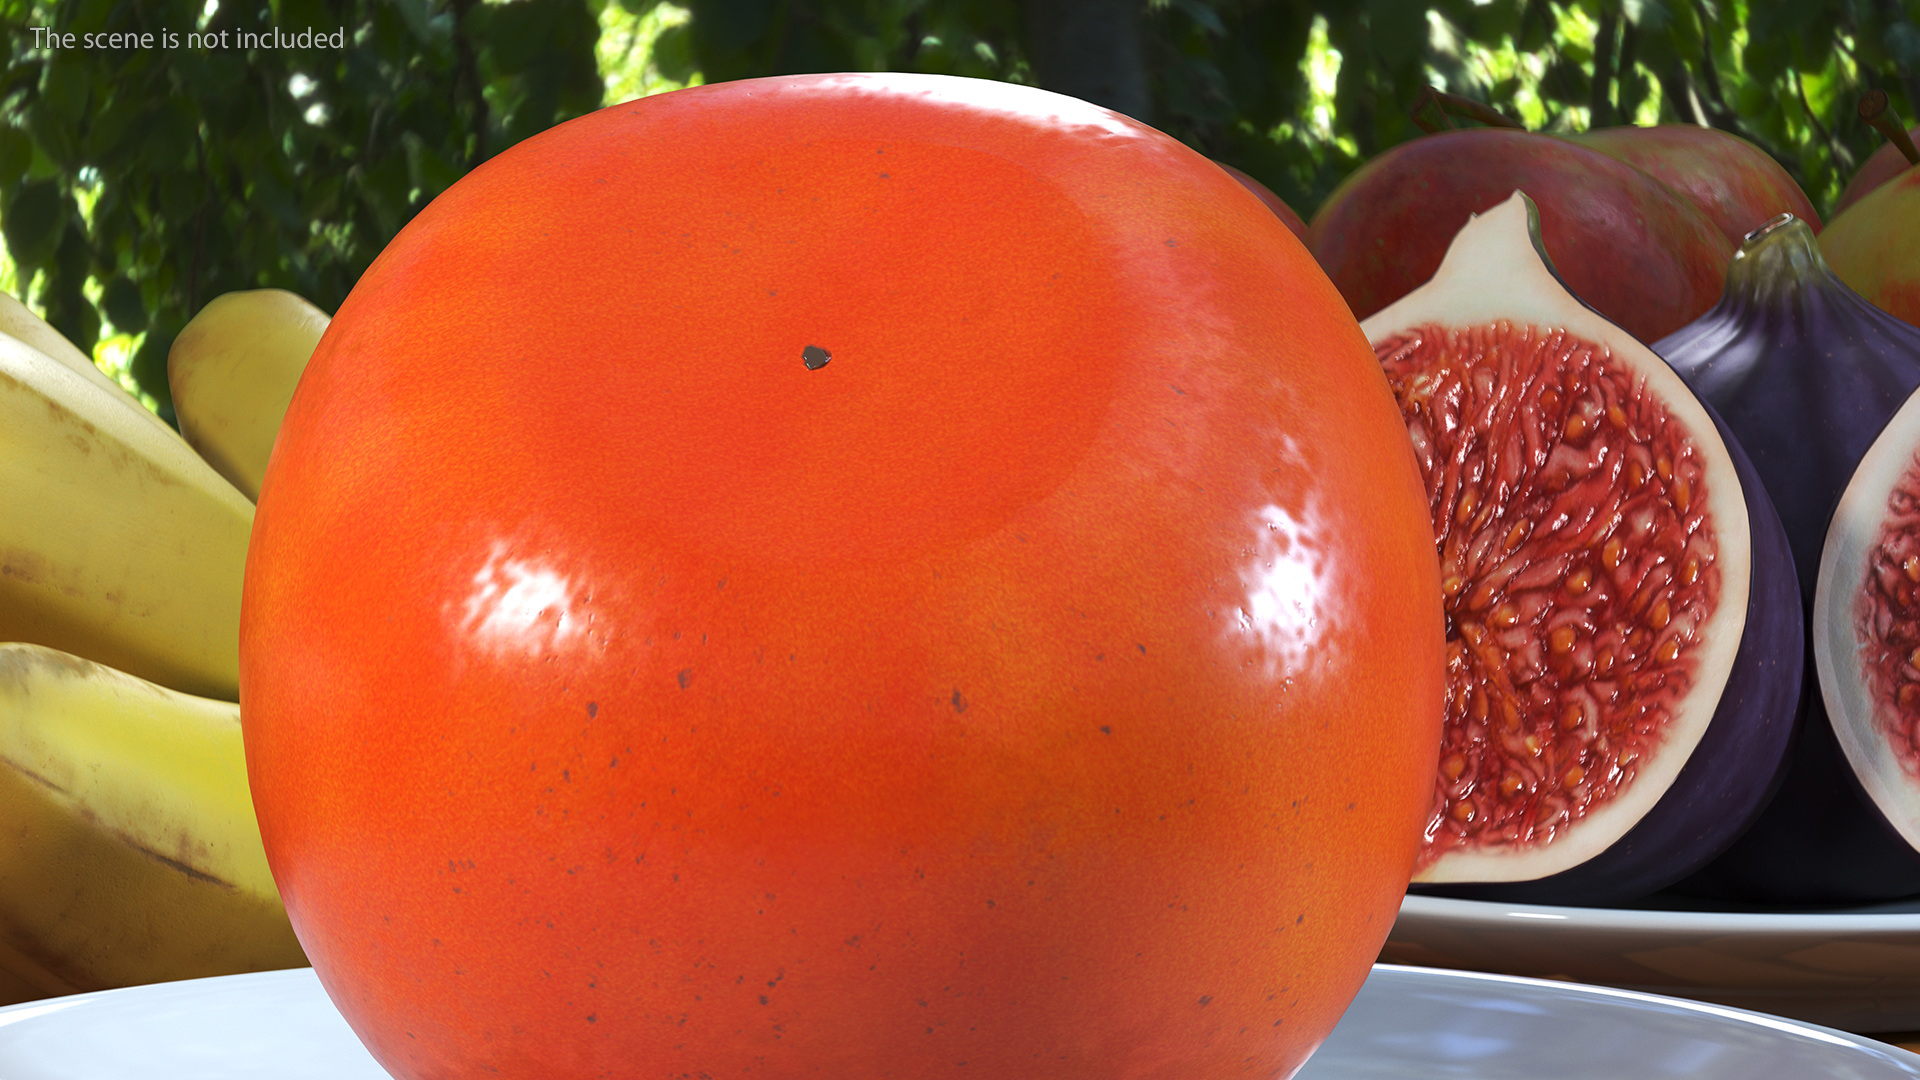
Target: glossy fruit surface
(1886,163)
(854,576)
(1732,181)
(1870,246)
(1629,246)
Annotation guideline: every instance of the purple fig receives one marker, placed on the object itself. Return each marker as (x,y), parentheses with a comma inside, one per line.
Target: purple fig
(1806,374)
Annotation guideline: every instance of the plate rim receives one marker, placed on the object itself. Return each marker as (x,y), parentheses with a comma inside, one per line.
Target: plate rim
(1401,977)
(1456,909)
(1557,987)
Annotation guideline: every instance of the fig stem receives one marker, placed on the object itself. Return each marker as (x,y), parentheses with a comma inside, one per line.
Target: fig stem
(1877,110)
(1427,114)
(1433,109)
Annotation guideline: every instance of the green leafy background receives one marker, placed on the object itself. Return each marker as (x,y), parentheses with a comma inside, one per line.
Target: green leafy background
(137,184)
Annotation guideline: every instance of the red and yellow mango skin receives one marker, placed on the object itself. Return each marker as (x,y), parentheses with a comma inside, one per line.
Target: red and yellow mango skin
(1886,163)
(1730,180)
(1627,245)
(1870,247)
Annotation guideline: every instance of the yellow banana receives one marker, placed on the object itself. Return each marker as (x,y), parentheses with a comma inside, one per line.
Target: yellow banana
(232,371)
(19,322)
(117,542)
(129,851)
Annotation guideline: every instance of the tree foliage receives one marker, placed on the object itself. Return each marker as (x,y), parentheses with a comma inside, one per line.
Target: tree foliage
(138,183)
(167,176)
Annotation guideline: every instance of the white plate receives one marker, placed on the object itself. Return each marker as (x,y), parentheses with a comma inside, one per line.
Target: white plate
(1856,969)
(1407,1022)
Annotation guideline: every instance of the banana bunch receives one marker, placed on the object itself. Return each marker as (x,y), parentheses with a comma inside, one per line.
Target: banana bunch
(129,850)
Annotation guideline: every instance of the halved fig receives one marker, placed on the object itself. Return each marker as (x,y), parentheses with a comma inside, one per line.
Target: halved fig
(1866,622)
(1624,632)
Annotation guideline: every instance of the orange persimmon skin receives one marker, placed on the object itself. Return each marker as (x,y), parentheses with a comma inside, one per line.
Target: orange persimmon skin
(1046,686)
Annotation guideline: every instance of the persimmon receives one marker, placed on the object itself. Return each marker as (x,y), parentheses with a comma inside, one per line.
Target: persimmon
(850,576)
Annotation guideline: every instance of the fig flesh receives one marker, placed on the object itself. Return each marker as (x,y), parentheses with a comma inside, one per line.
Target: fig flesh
(1624,637)
(1806,373)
